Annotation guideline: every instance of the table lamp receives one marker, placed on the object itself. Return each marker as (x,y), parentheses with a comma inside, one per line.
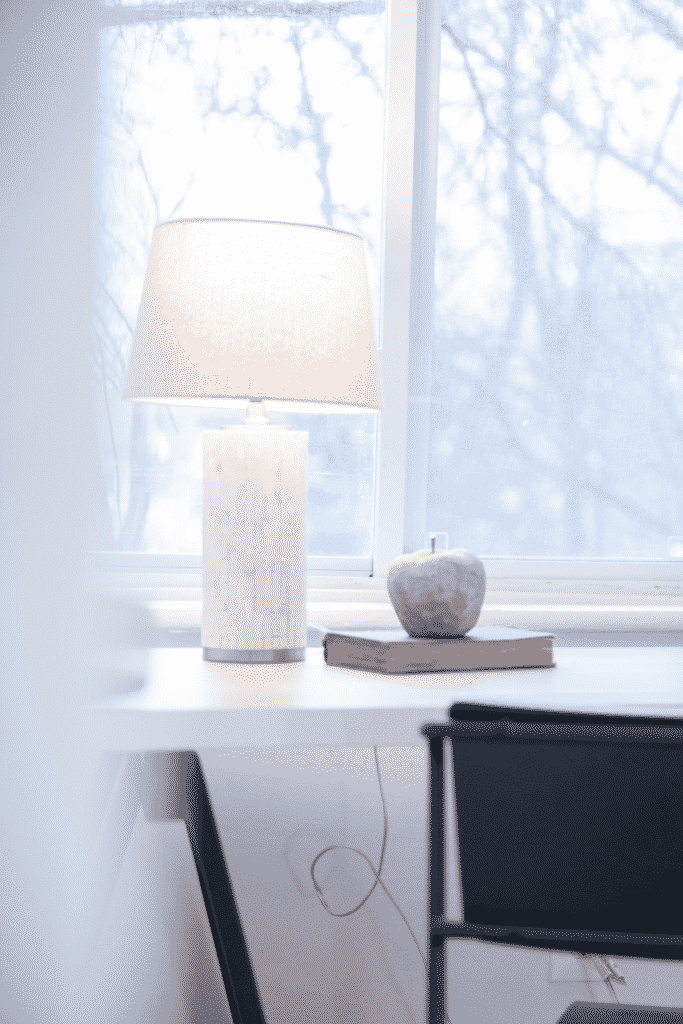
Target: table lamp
(243,313)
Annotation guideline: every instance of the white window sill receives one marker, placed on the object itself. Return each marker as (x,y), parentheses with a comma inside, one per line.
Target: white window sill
(563,596)
(183,614)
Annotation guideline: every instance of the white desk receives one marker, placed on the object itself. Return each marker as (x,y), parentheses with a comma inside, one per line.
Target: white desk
(189,704)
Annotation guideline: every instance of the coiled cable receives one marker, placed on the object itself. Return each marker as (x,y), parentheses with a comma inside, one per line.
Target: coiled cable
(376,872)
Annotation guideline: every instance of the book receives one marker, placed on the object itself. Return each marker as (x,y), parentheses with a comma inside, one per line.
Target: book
(393,651)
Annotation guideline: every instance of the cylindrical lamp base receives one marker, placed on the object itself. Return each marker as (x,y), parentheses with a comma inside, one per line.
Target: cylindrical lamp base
(255,657)
(254,556)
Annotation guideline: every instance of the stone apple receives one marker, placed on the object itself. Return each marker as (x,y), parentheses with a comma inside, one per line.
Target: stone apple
(437,594)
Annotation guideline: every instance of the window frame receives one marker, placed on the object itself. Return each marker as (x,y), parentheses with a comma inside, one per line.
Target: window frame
(405,327)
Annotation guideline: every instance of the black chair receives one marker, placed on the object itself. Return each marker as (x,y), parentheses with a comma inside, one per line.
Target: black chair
(570,837)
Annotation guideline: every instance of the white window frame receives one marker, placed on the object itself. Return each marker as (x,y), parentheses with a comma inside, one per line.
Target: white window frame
(593,594)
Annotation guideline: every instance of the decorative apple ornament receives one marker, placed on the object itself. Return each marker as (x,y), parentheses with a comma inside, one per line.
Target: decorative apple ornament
(437,594)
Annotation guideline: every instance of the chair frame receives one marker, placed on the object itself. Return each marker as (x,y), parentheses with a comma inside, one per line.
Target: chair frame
(515,723)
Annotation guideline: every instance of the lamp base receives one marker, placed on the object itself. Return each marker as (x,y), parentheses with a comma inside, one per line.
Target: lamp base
(267,657)
(254,543)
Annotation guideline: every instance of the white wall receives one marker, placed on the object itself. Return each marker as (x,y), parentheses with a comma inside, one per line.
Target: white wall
(276,810)
(50,502)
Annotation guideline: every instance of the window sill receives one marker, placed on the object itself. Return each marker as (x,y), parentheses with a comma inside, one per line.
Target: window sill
(572,625)
(599,601)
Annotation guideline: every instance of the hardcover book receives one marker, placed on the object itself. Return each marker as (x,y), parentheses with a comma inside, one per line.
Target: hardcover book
(394,651)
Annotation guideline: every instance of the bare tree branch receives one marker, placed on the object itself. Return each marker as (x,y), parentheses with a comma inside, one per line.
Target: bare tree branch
(673,110)
(317,122)
(584,227)
(152,194)
(183,197)
(671,33)
(599,145)
(582,480)
(122,315)
(116,459)
(355,51)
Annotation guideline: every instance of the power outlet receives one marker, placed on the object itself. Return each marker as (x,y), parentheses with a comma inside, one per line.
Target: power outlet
(565,967)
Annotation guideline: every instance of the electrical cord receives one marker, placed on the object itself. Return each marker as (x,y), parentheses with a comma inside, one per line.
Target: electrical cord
(605,969)
(376,872)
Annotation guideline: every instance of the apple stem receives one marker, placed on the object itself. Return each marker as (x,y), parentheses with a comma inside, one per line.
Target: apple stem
(432,538)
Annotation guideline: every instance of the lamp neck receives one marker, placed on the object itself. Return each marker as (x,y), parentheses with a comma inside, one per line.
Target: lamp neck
(256,415)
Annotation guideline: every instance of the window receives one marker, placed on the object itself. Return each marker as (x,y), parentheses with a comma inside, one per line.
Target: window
(557,387)
(271,112)
(540,417)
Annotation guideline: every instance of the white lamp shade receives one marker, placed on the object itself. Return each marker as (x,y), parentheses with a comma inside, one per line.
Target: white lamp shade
(234,310)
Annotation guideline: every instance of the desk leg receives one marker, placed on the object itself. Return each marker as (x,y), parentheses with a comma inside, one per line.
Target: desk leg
(175,788)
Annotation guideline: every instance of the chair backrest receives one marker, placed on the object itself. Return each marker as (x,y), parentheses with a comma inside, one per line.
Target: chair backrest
(569,823)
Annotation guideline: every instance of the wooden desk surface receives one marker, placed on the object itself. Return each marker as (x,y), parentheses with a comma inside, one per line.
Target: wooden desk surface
(187,703)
